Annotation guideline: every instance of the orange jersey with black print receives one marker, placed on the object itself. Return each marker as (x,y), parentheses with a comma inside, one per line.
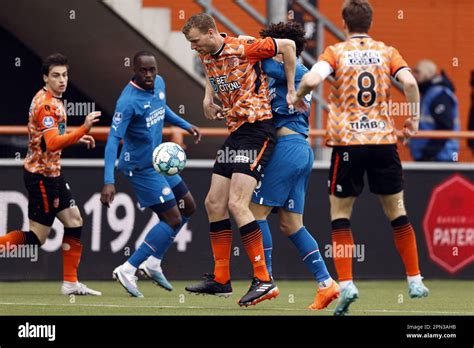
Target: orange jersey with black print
(360,94)
(46,112)
(238,80)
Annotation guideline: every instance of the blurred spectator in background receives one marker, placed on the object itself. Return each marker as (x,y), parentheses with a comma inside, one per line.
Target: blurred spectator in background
(439,111)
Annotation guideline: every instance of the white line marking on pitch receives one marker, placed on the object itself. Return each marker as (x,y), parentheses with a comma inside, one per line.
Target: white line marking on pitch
(225,308)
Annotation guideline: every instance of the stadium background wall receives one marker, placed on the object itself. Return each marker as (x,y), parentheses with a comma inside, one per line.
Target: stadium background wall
(110,235)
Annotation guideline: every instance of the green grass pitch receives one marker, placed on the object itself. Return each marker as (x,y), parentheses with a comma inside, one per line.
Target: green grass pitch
(447,297)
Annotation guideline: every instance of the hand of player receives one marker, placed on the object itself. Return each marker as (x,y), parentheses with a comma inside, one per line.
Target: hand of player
(298,103)
(92,118)
(290,96)
(212,111)
(196,133)
(410,128)
(108,194)
(88,140)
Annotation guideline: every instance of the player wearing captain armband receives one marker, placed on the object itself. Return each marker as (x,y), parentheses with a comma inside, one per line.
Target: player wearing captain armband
(362,135)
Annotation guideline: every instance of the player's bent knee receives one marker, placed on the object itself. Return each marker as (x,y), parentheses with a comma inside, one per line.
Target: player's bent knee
(286,228)
(41,231)
(341,208)
(78,221)
(173,220)
(189,207)
(73,221)
(237,206)
(289,225)
(41,235)
(393,214)
(70,217)
(260,212)
(393,206)
(214,205)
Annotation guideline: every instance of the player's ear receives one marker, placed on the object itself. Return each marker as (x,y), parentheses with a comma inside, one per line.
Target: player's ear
(344,25)
(45,78)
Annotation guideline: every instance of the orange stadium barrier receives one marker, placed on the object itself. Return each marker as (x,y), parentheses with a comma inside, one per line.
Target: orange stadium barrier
(100,133)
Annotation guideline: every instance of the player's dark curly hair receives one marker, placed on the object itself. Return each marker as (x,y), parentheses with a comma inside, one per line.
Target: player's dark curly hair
(290,30)
(54,59)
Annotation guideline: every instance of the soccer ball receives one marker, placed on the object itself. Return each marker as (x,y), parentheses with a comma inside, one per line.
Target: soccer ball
(169,158)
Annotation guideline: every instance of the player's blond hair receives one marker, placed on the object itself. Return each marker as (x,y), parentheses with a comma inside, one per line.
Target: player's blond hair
(201,21)
(358,15)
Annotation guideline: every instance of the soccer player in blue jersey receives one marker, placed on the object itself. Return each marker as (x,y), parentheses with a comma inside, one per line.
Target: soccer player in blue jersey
(139,117)
(286,178)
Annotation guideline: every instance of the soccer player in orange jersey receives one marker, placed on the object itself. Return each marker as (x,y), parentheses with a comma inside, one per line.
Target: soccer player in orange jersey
(235,76)
(49,193)
(361,132)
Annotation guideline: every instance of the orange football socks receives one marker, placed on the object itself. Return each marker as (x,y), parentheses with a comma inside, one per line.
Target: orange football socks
(253,243)
(342,248)
(221,243)
(405,241)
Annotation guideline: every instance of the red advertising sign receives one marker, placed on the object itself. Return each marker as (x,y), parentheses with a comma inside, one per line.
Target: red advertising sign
(449,224)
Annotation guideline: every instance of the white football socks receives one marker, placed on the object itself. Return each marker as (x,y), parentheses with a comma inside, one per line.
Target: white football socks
(416,279)
(325,283)
(345,283)
(128,268)
(153,263)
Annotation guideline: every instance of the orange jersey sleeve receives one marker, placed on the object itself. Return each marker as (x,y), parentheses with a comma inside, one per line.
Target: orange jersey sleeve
(55,141)
(396,62)
(260,49)
(329,56)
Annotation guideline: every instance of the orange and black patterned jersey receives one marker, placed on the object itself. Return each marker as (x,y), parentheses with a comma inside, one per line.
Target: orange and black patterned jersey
(359,101)
(237,78)
(46,112)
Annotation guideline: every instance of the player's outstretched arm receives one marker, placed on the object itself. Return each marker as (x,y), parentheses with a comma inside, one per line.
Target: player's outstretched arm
(318,73)
(412,95)
(288,49)
(55,141)
(175,120)
(309,82)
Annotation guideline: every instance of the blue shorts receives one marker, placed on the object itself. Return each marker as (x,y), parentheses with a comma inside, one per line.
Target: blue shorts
(287,174)
(152,188)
